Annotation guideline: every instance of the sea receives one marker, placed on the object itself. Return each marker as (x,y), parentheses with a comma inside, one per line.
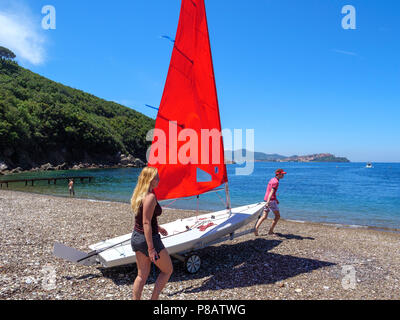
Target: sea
(347,194)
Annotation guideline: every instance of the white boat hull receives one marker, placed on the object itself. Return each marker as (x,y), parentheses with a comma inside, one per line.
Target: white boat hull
(181,239)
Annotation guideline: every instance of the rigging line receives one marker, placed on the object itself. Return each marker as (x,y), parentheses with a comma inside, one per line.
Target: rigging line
(170,204)
(149,106)
(191,197)
(164,118)
(183,54)
(203,222)
(223,202)
(196,225)
(168,38)
(197,211)
(222,216)
(170,121)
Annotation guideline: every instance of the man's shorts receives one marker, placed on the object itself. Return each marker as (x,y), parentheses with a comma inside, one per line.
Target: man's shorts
(273,205)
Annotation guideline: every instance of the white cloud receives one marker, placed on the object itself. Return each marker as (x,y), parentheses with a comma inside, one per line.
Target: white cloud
(21,32)
(349,53)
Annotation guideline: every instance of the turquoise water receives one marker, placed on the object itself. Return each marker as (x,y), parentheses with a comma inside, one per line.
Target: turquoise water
(343,193)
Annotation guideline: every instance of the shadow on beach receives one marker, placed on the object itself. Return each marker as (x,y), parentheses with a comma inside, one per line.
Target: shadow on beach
(292,236)
(231,266)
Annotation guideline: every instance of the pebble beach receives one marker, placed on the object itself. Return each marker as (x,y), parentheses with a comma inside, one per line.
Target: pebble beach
(303,261)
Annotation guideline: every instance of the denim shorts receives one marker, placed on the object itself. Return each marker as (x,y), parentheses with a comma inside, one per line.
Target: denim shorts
(138,243)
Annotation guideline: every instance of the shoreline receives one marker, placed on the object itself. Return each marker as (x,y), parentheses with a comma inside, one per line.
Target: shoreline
(303,261)
(337,225)
(123,161)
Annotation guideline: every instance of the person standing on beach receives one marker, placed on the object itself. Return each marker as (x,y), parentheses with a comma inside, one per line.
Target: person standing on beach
(71,187)
(146,241)
(271,202)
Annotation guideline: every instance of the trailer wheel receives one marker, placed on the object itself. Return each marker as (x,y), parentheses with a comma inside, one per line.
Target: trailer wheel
(193,263)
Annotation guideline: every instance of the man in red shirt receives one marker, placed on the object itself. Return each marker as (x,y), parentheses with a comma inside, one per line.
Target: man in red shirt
(271,202)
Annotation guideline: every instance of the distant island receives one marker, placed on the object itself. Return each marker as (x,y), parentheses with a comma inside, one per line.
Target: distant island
(260,157)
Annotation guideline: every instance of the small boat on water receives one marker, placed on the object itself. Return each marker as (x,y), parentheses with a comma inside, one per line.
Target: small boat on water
(369,165)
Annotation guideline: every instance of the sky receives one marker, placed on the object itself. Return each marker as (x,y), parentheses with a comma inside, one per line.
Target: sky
(287,69)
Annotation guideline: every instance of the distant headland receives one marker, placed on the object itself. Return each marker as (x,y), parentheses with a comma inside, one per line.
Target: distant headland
(319,157)
(264,157)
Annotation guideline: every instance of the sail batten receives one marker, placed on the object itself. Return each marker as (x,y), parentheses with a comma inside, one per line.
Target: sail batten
(190,100)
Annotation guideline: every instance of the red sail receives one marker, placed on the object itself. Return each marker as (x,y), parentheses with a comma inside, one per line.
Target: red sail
(188,115)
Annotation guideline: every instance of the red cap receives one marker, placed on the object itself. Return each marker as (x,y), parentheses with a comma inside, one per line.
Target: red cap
(280,171)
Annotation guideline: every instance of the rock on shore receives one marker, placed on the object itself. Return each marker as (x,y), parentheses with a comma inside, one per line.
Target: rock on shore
(123,161)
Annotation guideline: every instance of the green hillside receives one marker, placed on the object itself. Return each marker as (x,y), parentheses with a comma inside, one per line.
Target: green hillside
(43,121)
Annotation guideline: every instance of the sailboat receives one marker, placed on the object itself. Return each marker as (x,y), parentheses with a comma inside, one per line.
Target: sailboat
(188,111)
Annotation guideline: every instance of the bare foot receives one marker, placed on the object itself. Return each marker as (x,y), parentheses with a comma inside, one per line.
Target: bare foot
(256,233)
(271,233)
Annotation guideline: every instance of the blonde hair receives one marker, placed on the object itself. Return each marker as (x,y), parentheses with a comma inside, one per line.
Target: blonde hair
(142,188)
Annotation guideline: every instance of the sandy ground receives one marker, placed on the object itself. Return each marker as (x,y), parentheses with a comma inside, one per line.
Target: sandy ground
(304,261)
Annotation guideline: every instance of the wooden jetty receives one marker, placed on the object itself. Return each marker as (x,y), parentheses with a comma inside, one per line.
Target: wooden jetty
(49,180)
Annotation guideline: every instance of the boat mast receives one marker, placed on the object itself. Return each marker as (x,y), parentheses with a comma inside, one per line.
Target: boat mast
(228,198)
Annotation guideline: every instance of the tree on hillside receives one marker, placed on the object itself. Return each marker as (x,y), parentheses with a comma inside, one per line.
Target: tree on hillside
(6,53)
